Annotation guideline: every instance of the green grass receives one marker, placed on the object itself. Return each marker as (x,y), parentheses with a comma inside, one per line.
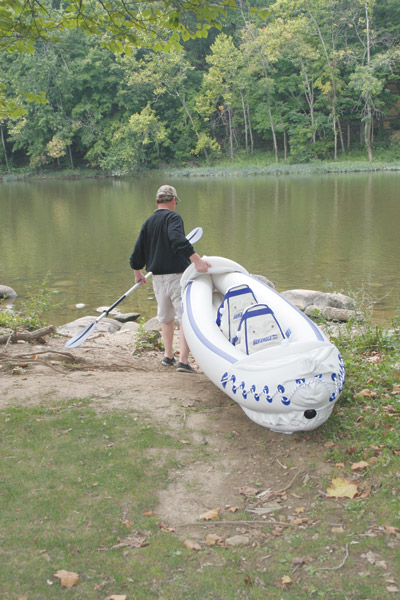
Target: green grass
(75,484)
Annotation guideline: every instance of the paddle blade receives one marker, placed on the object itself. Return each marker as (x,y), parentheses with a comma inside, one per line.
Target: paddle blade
(80,337)
(195,235)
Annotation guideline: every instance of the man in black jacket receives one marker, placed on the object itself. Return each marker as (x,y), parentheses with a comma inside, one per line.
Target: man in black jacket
(164,250)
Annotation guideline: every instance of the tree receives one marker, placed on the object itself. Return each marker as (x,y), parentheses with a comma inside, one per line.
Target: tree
(136,143)
(120,22)
(224,87)
(168,73)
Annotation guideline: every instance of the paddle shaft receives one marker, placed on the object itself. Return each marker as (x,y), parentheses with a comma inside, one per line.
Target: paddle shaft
(79,338)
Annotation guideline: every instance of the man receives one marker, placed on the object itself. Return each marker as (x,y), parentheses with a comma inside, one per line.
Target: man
(164,250)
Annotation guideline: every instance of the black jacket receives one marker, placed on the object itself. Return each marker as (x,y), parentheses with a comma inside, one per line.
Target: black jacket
(162,246)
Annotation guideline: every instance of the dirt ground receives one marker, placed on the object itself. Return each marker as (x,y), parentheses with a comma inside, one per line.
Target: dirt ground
(240,460)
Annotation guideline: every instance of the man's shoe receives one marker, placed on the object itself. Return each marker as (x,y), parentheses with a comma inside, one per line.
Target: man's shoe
(185,368)
(168,362)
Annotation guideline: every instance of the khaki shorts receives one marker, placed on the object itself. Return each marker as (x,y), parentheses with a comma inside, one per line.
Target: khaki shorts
(167,289)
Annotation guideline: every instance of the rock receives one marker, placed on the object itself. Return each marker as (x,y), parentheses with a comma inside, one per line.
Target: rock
(301,298)
(129,326)
(238,540)
(331,306)
(334,300)
(126,317)
(106,325)
(7,292)
(264,280)
(330,313)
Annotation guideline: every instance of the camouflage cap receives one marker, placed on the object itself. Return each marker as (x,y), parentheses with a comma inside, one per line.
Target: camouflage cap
(167,192)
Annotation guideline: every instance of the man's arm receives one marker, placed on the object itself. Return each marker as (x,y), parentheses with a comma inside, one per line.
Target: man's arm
(201,265)
(139,277)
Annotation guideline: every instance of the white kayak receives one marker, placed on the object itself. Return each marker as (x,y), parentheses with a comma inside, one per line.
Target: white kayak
(259,349)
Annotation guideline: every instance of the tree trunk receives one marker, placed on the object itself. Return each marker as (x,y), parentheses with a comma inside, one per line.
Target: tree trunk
(271,120)
(246,140)
(230,134)
(3,143)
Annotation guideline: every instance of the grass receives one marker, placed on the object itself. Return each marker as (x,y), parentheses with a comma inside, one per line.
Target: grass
(260,163)
(76,486)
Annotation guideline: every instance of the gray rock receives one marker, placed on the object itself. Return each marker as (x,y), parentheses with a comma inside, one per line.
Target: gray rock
(264,280)
(331,306)
(126,317)
(301,298)
(331,313)
(238,540)
(7,292)
(106,325)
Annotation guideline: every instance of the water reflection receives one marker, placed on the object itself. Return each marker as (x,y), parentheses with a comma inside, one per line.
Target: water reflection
(328,232)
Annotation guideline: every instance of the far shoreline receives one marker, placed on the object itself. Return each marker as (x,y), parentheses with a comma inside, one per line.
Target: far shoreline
(240,169)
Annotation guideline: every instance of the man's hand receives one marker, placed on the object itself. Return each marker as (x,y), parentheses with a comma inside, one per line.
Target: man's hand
(139,277)
(201,265)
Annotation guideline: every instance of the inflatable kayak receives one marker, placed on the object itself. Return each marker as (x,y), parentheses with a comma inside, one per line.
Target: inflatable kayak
(259,349)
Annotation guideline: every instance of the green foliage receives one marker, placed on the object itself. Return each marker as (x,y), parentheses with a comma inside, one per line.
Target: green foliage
(148,340)
(31,316)
(309,81)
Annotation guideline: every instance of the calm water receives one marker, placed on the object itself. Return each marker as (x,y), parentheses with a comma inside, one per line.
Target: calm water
(328,233)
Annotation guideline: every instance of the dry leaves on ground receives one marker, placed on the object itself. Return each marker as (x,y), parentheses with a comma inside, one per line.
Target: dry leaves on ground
(340,488)
(67,578)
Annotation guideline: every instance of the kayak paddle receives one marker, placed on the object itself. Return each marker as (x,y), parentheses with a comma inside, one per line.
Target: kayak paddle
(80,337)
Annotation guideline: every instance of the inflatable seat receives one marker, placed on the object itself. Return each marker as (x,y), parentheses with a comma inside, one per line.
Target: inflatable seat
(229,314)
(258,329)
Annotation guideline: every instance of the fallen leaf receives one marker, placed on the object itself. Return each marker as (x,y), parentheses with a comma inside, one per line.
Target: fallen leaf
(248,491)
(192,545)
(299,521)
(392,588)
(396,389)
(148,513)
(233,509)
(68,578)
(136,540)
(341,489)
(116,597)
(299,510)
(212,539)
(391,530)
(166,528)
(329,444)
(370,556)
(184,442)
(366,393)
(128,524)
(210,515)
(286,579)
(360,465)
(337,529)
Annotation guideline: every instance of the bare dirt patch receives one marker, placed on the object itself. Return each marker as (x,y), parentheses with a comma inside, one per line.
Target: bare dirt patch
(227,461)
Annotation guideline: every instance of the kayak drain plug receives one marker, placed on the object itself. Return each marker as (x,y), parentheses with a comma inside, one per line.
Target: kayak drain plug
(310,413)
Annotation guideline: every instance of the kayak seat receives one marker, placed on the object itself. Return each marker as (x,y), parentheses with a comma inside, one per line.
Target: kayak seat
(230,311)
(258,329)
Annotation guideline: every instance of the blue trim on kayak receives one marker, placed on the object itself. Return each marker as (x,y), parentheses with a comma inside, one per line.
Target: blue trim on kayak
(199,333)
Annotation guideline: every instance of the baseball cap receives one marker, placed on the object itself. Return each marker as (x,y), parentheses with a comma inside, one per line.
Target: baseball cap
(166,191)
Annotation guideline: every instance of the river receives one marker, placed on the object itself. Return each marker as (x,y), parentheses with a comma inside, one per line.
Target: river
(322,232)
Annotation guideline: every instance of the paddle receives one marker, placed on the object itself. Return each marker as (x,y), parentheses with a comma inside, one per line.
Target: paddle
(80,337)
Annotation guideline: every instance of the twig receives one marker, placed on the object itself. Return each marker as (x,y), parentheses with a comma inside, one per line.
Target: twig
(341,564)
(26,335)
(289,484)
(205,523)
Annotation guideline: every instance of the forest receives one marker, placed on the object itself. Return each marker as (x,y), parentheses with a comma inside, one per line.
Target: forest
(290,80)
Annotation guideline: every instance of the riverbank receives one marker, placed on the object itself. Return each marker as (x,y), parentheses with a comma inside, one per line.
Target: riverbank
(155,480)
(240,168)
